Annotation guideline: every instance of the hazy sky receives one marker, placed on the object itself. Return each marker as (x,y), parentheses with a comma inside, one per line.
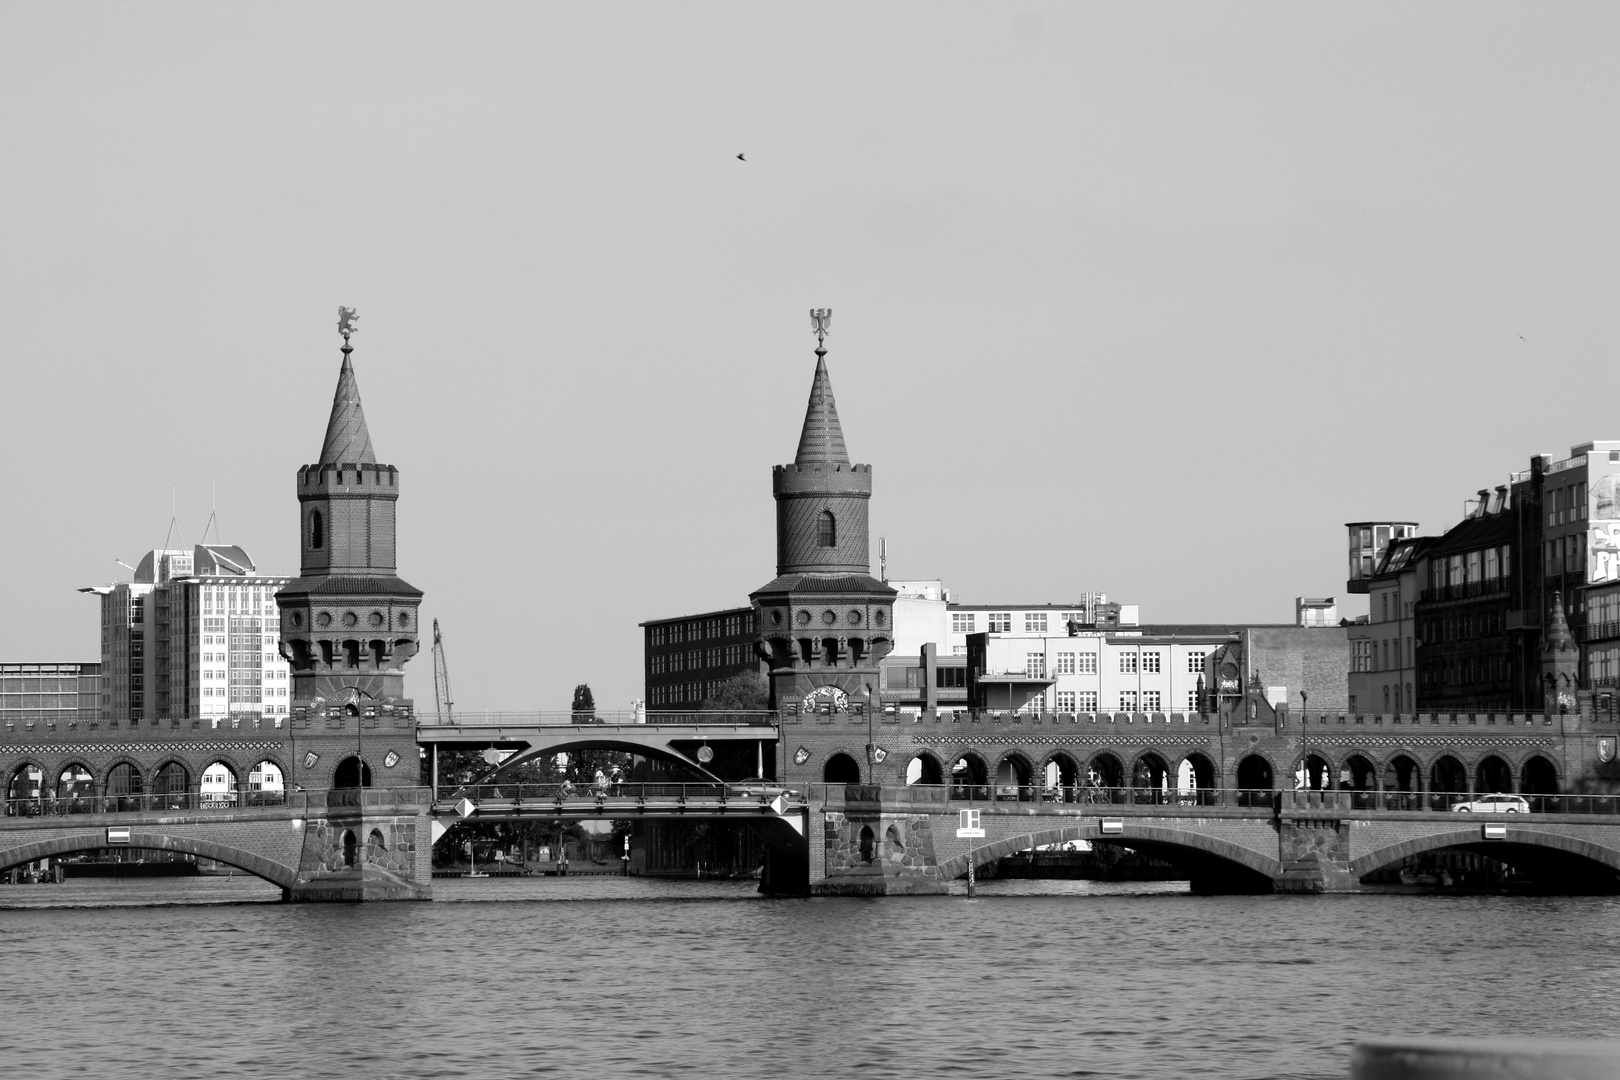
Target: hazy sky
(1140,298)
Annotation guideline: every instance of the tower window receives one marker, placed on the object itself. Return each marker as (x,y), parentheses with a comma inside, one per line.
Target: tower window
(827,530)
(317,531)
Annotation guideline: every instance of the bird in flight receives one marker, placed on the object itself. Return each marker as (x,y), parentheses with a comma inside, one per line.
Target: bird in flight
(741,158)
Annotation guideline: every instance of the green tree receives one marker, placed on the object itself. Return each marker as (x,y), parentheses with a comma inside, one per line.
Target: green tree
(584,705)
(747,692)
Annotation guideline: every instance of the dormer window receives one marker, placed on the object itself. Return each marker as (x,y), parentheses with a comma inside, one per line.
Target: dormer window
(317,531)
(827,530)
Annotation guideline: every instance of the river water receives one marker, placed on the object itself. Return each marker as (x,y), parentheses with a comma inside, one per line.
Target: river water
(608,977)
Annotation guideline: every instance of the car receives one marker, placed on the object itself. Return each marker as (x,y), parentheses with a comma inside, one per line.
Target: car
(758,789)
(1494,804)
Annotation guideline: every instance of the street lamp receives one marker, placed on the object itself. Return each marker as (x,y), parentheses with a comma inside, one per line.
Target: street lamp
(871,740)
(1304,742)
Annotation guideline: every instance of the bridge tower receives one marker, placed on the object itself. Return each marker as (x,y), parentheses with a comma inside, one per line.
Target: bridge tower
(824,623)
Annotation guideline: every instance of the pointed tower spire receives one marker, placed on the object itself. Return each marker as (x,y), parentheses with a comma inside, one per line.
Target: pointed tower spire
(347,440)
(822,439)
(1559,639)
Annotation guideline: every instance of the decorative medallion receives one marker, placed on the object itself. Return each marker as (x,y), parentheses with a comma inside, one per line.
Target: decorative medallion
(824,694)
(349,618)
(323,619)
(705,754)
(390,760)
(1606,749)
(310,759)
(879,754)
(801,755)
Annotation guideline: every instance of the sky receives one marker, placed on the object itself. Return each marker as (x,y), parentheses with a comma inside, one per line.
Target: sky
(1146,299)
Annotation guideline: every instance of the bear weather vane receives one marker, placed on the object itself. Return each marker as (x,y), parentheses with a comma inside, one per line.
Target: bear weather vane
(347,320)
(821,323)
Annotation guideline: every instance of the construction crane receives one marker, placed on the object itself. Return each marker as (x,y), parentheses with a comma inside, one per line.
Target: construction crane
(441,679)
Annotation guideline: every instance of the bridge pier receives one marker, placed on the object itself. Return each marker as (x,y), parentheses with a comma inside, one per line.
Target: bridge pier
(366,844)
(1315,856)
(869,850)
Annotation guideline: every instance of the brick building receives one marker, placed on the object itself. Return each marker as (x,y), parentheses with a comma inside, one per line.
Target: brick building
(685,658)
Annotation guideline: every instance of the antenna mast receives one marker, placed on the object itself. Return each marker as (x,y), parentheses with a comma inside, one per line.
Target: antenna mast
(441,679)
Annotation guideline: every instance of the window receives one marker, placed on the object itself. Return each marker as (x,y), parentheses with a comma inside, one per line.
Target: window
(1386,660)
(1493,564)
(950,677)
(1127,701)
(1065,666)
(1000,622)
(1152,701)
(1087,662)
(1065,701)
(1085,701)
(1361,658)
(1192,701)
(1035,665)
(1195,663)
(1150,663)
(317,534)
(1127,663)
(962,622)
(1034,622)
(827,530)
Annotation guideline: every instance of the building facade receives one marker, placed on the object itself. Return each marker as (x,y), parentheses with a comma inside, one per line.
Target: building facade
(193,635)
(48,693)
(685,659)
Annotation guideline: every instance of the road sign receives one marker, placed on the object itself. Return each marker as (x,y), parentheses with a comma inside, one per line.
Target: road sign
(968,826)
(1113,826)
(117,836)
(465,807)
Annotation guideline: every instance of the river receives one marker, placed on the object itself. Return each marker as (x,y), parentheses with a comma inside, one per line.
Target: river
(609,977)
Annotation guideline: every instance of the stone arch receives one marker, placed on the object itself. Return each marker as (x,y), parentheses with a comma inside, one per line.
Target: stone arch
(376,845)
(170,785)
(123,785)
(16,794)
(895,839)
(1195,778)
(1493,774)
(1150,776)
(929,770)
(841,768)
(210,792)
(1207,856)
(1014,777)
(1538,782)
(351,847)
(266,795)
(972,779)
(75,781)
(1448,778)
(351,772)
(1518,841)
(94,839)
(867,842)
(1105,770)
(1256,779)
(1403,782)
(1060,773)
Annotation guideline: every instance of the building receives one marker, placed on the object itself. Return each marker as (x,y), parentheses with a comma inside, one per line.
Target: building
(1383,665)
(1315,611)
(1369,540)
(348,623)
(684,659)
(48,693)
(192,635)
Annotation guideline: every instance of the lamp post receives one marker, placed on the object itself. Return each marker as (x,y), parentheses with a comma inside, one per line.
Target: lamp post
(871,739)
(1304,743)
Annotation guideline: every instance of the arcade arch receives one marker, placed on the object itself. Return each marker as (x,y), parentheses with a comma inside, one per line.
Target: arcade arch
(1195,779)
(1013,779)
(1447,780)
(1493,775)
(841,769)
(352,773)
(1061,775)
(925,769)
(969,778)
(1255,781)
(1105,771)
(265,785)
(218,786)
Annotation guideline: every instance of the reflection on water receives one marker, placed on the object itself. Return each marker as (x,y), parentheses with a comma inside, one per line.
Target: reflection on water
(611,976)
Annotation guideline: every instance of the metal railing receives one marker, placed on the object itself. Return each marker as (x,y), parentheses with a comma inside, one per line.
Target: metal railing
(561,794)
(61,806)
(688,717)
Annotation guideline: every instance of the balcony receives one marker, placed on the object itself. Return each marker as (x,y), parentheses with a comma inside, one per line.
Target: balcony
(1468,590)
(1597,631)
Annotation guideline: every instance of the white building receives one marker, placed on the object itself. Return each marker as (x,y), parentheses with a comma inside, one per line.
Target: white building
(194,635)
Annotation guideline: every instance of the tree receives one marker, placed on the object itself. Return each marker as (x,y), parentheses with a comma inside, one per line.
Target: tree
(584,705)
(747,692)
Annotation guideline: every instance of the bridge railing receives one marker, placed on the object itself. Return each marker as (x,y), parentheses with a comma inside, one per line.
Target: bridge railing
(569,794)
(62,806)
(469,718)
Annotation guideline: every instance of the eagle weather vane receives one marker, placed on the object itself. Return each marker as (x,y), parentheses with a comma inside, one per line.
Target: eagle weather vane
(347,318)
(821,323)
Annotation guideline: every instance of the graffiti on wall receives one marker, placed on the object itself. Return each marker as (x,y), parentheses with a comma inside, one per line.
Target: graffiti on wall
(1603,537)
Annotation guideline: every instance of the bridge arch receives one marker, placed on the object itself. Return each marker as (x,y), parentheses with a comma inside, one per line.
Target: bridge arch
(841,768)
(19,787)
(95,839)
(1013,769)
(929,769)
(1061,771)
(74,780)
(1523,847)
(1212,861)
(1493,774)
(1538,776)
(1195,774)
(968,776)
(1447,774)
(1105,769)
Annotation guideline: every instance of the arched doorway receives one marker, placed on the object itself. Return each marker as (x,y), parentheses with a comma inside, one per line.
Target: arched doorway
(841,769)
(218,786)
(124,787)
(969,778)
(1493,776)
(171,786)
(350,845)
(1254,781)
(1195,780)
(1448,782)
(1403,784)
(1061,777)
(1361,777)
(1538,782)
(1012,780)
(352,773)
(1105,779)
(1150,779)
(924,769)
(266,786)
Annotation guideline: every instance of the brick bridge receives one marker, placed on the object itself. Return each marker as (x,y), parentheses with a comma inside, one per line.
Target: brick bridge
(1213,794)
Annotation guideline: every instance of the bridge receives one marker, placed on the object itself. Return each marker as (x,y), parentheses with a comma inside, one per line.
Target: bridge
(363,797)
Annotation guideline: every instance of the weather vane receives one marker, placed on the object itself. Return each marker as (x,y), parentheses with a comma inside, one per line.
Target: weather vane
(347,318)
(821,323)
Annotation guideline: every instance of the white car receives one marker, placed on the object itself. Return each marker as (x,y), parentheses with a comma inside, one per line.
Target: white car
(1494,804)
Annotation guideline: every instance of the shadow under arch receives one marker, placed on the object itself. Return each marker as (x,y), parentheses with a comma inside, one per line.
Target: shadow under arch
(669,755)
(1553,862)
(278,874)
(1213,865)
